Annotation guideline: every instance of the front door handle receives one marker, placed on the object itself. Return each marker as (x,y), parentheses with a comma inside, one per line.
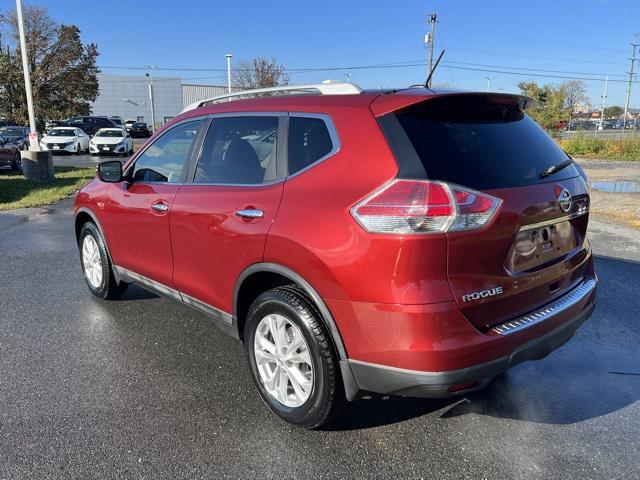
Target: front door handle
(250,213)
(160,207)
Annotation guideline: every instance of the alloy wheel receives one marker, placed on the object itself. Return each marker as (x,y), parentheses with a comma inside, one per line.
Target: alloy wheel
(92,261)
(283,360)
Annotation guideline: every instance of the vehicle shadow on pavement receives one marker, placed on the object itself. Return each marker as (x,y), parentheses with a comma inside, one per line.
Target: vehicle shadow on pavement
(380,410)
(596,373)
(137,293)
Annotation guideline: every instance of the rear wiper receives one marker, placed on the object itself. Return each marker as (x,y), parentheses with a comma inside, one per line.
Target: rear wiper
(554,168)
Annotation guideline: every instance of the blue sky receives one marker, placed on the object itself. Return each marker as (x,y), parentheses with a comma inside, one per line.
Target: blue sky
(589,38)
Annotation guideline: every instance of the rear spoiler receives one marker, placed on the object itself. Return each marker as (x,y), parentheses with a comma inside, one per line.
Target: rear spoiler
(405,98)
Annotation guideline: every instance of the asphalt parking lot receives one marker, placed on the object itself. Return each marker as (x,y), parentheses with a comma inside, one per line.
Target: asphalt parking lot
(146,388)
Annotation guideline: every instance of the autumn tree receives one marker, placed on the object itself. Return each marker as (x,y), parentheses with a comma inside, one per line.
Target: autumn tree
(259,72)
(613,111)
(63,70)
(551,106)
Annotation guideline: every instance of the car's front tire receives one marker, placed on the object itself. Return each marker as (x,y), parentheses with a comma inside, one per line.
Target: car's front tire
(292,359)
(96,265)
(17,162)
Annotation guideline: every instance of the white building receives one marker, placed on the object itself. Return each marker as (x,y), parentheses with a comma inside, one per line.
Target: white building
(128,97)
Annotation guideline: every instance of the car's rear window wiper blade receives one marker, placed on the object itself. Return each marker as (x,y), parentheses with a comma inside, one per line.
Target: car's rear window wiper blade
(554,169)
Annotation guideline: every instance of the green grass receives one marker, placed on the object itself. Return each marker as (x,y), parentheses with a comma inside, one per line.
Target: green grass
(607,149)
(16,192)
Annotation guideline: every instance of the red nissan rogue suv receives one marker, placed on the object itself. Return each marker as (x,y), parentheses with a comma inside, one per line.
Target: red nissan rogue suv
(410,242)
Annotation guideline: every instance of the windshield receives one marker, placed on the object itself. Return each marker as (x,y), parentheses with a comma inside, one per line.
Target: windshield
(63,132)
(11,131)
(110,133)
(140,125)
(481,144)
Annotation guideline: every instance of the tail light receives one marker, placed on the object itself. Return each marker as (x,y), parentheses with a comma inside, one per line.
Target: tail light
(422,206)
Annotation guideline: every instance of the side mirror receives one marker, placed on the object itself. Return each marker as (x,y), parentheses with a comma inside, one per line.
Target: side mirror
(110,172)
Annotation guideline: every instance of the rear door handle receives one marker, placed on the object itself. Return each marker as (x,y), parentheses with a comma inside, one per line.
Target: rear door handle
(250,213)
(160,207)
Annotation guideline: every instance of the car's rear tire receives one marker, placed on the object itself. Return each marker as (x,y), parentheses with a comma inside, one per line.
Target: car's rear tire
(96,265)
(292,359)
(16,165)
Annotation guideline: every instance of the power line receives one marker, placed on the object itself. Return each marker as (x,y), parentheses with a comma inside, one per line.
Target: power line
(522,71)
(532,74)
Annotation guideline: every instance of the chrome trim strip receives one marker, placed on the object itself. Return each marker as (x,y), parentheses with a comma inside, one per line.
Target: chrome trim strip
(157,287)
(553,221)
(208,309)
(557,306)
(161,289)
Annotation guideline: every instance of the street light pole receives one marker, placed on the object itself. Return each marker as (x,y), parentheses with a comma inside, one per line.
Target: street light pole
(633,59)
(33,135)
(153,109)
(228,56)
(489,82)
(604,101)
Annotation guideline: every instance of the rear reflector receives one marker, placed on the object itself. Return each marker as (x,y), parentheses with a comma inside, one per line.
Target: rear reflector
(422,206)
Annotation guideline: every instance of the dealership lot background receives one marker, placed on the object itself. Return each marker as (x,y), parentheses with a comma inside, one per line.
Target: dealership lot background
(128,96)
(147,388)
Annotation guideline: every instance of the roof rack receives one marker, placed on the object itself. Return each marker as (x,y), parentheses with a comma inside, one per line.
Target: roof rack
(325,88)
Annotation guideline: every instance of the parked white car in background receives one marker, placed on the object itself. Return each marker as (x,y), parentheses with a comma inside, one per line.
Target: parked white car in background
(65,139)
(111,140)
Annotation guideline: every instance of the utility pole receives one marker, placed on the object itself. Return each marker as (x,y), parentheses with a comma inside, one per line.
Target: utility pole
(431,40)
(228,56)
(33,135)
(153,108)
(634,46)
(604,100)
(489,82)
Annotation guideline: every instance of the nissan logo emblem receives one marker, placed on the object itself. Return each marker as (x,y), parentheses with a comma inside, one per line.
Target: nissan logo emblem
(564,200)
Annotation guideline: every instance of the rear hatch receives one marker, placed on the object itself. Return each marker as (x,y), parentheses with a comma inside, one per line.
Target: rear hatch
(534,249)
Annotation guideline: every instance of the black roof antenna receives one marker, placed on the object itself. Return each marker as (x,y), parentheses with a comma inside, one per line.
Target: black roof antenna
(427,83)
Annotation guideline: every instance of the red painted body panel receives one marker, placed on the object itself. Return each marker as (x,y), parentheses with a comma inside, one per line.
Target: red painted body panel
(522,291)
(139,237)
(433,338)
(211,244)
(316,236)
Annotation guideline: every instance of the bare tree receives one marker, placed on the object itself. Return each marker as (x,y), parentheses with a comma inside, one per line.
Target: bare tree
(575,95)
(259,72)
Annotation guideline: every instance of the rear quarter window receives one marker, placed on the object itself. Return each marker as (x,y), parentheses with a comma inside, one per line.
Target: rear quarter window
(480,143)
(309,141)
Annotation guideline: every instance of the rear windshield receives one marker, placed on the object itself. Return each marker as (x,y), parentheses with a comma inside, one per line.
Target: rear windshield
(481,143)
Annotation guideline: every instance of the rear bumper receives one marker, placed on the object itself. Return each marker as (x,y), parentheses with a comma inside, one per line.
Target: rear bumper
(397,381)
(448,365)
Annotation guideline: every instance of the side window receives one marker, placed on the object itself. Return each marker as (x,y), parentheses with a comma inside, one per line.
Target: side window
(239,150)
(309,141)
(165,159)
